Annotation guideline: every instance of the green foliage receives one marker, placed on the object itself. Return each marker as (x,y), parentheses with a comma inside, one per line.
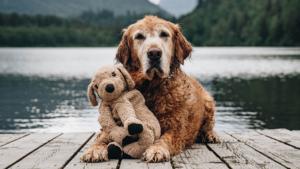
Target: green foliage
(243,23)
(68,8)
(56,36)
(212,23)
(90,29)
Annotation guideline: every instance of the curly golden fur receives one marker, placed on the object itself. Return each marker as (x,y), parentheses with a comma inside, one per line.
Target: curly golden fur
(184,109)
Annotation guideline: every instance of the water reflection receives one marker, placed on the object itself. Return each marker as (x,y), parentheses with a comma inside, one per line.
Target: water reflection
(44,90)
(40,104)
(35,104)
(272,102)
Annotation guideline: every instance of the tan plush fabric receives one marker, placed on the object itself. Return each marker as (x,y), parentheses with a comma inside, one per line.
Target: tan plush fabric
(122,107)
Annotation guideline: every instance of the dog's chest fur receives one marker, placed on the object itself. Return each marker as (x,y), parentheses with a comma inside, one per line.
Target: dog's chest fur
(168,95)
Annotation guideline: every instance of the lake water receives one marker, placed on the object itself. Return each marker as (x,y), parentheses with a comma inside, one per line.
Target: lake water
(44,89)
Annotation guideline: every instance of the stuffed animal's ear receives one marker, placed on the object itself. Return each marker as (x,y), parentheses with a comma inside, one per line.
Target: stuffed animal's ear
(91,95)
(183,48)
(123,52)
(127,77)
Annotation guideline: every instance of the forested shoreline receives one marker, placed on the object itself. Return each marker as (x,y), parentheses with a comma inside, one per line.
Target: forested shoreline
(243,23)
(212,23)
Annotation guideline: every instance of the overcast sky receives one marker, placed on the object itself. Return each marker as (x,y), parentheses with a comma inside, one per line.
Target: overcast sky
(155,1)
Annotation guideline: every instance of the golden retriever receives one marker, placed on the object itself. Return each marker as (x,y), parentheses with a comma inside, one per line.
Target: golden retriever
(152,51)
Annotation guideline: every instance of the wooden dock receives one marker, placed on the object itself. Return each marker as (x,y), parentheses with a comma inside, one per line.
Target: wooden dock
(277,148)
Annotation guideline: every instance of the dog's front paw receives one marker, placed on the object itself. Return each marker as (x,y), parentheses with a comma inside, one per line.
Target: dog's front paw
(155,154)
(96,153)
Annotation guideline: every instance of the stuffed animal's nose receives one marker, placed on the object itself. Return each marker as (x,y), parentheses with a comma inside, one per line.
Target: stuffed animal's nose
(110,88)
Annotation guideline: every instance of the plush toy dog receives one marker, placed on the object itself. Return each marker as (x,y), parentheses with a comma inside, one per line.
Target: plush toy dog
(123,113)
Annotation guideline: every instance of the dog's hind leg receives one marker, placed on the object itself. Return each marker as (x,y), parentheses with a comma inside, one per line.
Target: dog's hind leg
(98,150)
(206,133)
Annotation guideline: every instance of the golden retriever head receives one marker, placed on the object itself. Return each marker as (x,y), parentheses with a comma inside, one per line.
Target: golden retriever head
(153,47)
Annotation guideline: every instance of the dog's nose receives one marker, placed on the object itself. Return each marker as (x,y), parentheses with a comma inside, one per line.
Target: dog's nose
(110,88)
(154,53)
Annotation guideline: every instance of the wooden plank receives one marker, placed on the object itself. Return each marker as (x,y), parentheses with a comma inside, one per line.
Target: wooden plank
(8,138)
(239,155)
(284,136)
(198,156)
(75,163)
(277,151)
(17,150)
(178,162)
(57,153)
(136,163)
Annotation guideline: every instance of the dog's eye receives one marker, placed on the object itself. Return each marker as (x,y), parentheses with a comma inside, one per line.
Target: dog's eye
(164,34)
(139,36)
(96,86)
(113,74)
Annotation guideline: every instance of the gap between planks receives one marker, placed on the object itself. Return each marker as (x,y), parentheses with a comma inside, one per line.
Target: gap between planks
(8,138)
(15,151)
(281,153)
(56,153)
(76,163)
(291,138)
(238,155)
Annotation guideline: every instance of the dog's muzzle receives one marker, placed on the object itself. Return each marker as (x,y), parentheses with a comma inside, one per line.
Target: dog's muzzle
(154,55)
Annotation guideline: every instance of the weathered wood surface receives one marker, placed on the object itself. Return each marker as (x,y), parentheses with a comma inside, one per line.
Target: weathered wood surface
(284,136)
(198,156)
(243,150)
(7,138)
(275,150)
(57,153)
(238,155)
(136,163)
(15,151)
(75,163)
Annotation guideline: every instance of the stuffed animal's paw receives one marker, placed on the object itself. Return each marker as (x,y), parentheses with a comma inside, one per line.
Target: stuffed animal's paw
(114,151)
(135,128)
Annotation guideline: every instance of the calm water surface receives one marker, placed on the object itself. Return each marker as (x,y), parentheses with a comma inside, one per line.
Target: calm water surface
(44,89)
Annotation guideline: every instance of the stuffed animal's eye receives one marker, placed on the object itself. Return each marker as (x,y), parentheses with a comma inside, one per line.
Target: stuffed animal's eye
(113,74)
(139,36)
(164,34)
(96,86)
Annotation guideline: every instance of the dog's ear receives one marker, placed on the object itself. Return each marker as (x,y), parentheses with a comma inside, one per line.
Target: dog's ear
(183,48)
(123,52)
(91,95)
(127,77)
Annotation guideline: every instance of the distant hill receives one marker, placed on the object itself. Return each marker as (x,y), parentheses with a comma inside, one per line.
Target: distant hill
(243,23)
(178,7)
(66,8)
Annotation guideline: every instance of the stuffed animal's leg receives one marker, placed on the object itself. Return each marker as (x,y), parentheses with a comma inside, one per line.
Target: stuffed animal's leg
(135,149)
(98,150)
(127,115)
